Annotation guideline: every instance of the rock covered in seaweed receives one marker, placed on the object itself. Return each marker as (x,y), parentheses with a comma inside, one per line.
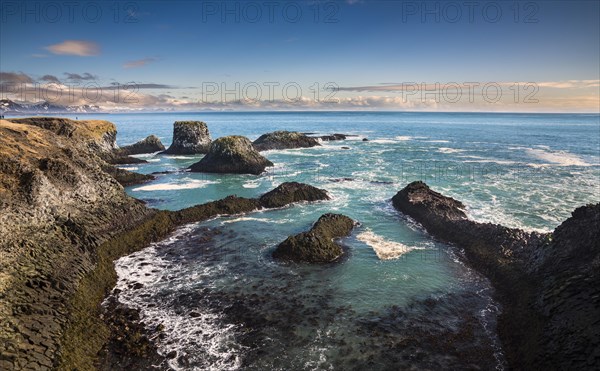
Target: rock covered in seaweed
(284,140)
(189,138)
(150,144)
(316,245)
(290,192)
(232,154)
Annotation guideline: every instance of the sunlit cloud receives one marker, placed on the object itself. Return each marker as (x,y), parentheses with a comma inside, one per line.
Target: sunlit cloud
(139,62)
(79,48)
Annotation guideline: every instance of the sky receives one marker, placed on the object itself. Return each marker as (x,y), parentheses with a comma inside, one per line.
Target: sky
(531,56)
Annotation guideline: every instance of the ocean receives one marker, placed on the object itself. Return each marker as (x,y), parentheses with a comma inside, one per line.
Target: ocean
(399,298)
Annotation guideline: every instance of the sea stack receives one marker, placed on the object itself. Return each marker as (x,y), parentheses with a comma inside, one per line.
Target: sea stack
(316,245)
(284,140)
(232,154)
(189,138)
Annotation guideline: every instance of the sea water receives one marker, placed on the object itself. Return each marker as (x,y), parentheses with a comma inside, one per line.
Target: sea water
(399,299)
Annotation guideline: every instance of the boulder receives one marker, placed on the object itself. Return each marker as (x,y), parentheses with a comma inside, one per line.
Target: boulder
(290,192)
(189,138)
(150,144)
(316,245)
(232,154)
(284,140)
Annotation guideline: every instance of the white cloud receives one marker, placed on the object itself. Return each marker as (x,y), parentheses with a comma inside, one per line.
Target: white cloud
(79,48)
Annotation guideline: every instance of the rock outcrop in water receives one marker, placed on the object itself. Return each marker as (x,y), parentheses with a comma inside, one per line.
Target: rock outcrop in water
(332,137)
(63,221)
(150,144)
(291,192)
(232,154)
(189,138)
(316,245)
(284,140)
(548,284)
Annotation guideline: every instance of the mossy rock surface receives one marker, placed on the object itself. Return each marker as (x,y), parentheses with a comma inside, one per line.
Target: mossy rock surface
(290,192)
(150,144)
(232,154)
(316,245)
(284,140)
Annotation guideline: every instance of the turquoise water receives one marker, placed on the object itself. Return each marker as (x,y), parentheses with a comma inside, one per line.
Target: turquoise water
(399,297)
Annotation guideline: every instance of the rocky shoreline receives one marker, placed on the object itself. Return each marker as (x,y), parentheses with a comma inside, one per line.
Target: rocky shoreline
(65,218)
(548,283)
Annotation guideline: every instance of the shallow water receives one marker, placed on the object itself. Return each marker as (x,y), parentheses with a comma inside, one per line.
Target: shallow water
(399,299)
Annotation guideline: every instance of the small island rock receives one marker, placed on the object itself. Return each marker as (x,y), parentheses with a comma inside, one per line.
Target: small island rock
(316,245)
(232,154)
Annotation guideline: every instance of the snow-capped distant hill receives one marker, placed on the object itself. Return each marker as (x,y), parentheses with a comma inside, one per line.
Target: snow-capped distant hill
(7,106)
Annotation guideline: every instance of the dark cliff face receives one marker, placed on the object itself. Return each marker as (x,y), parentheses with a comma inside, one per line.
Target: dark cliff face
(57,206)
(189,138)
(548,283)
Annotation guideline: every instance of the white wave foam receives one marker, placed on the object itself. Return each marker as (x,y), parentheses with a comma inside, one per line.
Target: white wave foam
(248,218)
(383,141)
(153,160)
(557,158)
(450,150)
(251,185)
(188,184)
(404,138)
(436,141)
(385,249)
(129,168)
(182,157)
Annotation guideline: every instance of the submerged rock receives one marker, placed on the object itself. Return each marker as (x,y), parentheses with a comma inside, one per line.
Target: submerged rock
(232,154)
(548,284)
(284,140)
(316,245)
(150,144)
(290,192)
(189,138)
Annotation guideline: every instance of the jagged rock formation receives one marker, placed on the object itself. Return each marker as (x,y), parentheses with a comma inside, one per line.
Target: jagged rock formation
(63,221)
(189,138)
(284,140)
(291,192)
(232,154)
(150,144)
(548,284)
(316,245)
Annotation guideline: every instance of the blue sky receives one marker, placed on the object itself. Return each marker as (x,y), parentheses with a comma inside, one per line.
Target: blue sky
(360,46)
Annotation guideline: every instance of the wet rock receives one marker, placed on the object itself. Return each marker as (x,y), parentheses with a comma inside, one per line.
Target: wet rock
(284,140)
(290,192)
(333,137)
(150,144)
(365,139)
(232,154)
(189,138)
(345,147)
(317,245)
(548,284)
